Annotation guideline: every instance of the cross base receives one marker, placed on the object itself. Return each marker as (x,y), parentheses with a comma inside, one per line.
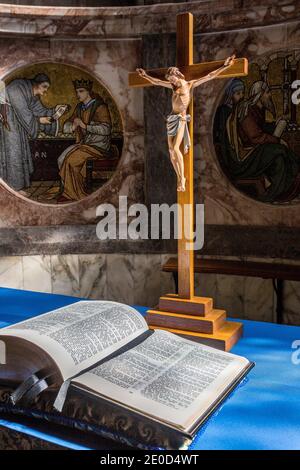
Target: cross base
(195,319)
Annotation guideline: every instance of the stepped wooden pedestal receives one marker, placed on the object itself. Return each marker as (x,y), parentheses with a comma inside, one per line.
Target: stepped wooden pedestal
(195,319)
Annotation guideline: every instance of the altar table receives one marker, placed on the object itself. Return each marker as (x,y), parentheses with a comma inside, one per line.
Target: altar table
(263,413)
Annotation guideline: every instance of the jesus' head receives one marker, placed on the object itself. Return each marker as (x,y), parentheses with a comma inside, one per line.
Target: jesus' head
(174,75)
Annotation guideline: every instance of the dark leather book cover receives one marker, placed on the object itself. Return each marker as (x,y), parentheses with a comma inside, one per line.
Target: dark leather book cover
(96,416)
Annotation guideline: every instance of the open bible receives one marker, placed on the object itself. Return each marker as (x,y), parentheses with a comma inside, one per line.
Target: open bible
(97,362)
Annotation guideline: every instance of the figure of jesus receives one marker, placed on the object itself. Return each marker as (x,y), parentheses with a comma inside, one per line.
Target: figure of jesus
(177,121)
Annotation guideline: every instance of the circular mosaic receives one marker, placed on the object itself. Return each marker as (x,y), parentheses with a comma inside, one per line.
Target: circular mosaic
(61,133)
(257,131)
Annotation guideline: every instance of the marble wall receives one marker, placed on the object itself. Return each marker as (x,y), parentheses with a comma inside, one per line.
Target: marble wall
(132,279)
(110,42)
(139,279)
(78,3)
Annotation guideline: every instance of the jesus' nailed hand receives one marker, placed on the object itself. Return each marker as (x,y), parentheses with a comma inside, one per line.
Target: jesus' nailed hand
(177,127)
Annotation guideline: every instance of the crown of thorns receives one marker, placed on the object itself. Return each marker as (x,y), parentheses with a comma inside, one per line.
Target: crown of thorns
(174,71)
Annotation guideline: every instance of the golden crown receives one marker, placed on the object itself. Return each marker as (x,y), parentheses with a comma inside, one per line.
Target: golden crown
(88,84)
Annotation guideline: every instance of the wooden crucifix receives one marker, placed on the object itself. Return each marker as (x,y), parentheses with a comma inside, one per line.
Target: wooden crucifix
(193,75)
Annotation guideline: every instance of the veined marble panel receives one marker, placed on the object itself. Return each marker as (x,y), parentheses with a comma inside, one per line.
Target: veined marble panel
(241,297)
(138,279)
(11,272)
(120,278)
(291,296)
(65,275)
(167,285)
(147,279)
(259,299)
(37,273)
(133,20)
(93,276)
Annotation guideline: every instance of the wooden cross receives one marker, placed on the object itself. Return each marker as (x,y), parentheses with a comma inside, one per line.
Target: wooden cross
(191,71)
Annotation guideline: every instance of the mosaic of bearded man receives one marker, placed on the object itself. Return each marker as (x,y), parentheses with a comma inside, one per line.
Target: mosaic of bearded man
(23,116)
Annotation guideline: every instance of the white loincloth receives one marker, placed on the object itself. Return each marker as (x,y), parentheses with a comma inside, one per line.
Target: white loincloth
(174,122)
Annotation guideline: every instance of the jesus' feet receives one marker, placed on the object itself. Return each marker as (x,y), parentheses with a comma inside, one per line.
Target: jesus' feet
(181,185)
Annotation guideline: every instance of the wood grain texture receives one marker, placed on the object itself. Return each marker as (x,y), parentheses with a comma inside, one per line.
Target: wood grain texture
(208,324)
(193,71)
(225,338)
(288,272)
(184,48)
(200,306)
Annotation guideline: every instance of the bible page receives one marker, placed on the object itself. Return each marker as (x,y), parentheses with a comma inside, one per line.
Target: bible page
(81,334)
(166,377)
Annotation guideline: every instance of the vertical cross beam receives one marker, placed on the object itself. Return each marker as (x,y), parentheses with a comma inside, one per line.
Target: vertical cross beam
(185,199)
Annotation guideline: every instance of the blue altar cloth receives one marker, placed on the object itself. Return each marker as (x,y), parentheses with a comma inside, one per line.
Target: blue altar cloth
(263,413)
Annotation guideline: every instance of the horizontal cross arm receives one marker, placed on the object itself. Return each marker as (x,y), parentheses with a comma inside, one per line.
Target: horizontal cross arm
(192,72)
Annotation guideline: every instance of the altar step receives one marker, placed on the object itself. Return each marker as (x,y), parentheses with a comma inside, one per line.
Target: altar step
(195,319)
(194,306)
(208,324)
(225,338)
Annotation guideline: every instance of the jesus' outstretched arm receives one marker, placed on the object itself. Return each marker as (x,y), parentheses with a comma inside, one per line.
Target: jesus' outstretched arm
(210,76)
(154,81)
